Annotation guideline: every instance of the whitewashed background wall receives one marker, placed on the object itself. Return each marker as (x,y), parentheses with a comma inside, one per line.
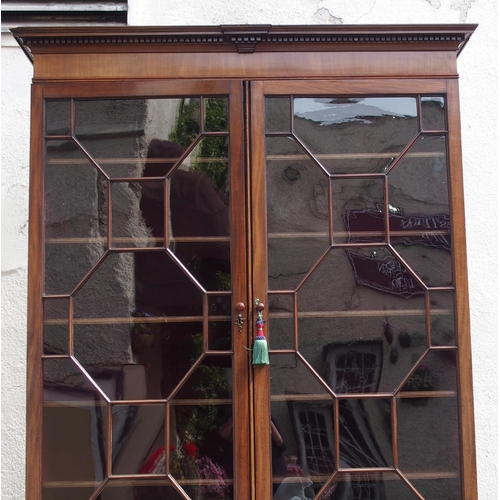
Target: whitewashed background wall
(478,68)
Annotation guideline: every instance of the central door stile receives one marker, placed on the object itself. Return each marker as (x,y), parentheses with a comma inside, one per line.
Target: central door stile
(239,258)
(261,381)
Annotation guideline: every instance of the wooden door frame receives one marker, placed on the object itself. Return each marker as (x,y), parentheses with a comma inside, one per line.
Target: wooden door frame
(233,89)
(367,87)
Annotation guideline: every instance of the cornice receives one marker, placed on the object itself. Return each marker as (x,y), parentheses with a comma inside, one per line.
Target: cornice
(245,38)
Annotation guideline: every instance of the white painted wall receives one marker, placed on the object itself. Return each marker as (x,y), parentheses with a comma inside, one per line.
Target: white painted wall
(478,68)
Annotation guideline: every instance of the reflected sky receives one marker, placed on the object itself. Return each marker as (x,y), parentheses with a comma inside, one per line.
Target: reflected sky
(328,111)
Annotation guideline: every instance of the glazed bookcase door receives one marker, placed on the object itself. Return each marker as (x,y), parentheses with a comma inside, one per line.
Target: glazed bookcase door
(360,291)
(142,227)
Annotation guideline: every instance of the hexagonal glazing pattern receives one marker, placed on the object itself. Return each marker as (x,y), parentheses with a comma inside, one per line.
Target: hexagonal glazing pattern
(138,284)
(360,291)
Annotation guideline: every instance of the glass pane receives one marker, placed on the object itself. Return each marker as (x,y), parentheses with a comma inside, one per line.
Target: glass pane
(303,446)
(444,489)
(216,114)
(433,113)
(63,493)
(442,318)
(137,431)
(297,213)
(278,114)
(436,372)
(420,230)
(355,134)
(291,377)
(288,260)
(201,451)
(365,433)
(74,430)
(431,265)
(418,187)
(128,228)
(111,131)
(428,445)
(302,426)
(199,213)
(75,216)
(368,486)
(162,489)
(137,348)
(358,210)
(116,132)
(55,326)
(350,316)
(219,326)
(281,322)
(57,115)
(186,126)
(297,189)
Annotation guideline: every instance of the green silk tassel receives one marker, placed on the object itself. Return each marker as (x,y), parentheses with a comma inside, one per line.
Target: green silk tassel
(260,354)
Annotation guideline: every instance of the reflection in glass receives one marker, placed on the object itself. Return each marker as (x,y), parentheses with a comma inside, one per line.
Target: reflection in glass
(290,376)
(302,423)
(74,428)
(280,322)
(110,131)
(75,231)
(376,276)
(187,121)
(55,326)
(197,209)
(57,117)
(210,158)
(315,435)
(219,322)
(433,113)
(113,131)
(289,263)
(442,318)
(277,114)
(428,442)
(164,287)
(355,135)
(444,489)
(309,455)
(385,272)
(201,451)
(418,185)
(432,265)
(297,189)
(216,114)
(365,433)
(368,486)
(161,490)
(128,229)
(137,430)
(353,368)
(352,324)
(297,213)
(436,372)
(358,210)
(209,380)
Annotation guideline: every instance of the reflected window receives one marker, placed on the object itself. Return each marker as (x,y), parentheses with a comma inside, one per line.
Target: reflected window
(315,437)
(353,368)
